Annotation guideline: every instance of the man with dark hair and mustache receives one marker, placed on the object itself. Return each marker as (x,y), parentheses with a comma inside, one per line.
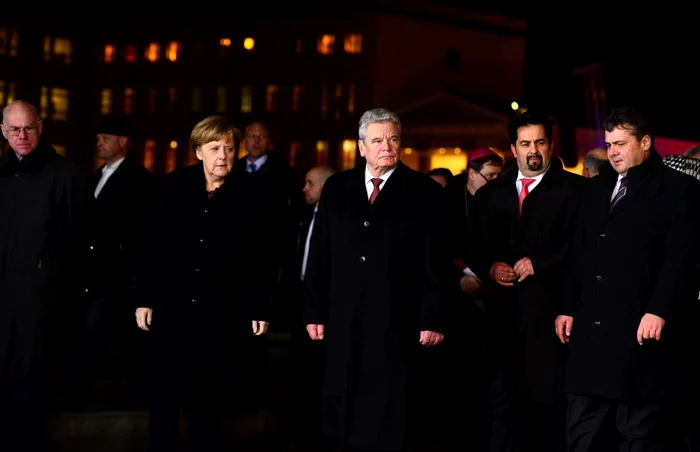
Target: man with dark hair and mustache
(523,222)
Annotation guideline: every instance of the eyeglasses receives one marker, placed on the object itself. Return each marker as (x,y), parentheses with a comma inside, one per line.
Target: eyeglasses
(31,129)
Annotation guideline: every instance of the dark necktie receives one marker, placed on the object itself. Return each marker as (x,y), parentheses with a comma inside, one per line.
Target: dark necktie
(252,168)
(377,182)
(524,192)
(620,193)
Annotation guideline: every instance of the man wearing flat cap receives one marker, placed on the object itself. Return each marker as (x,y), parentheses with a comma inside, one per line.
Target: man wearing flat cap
(124,193)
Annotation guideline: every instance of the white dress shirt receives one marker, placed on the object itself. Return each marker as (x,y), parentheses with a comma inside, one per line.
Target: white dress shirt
(107,171)
(368,181)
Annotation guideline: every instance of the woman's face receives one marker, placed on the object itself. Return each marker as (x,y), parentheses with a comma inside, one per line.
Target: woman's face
(217,157)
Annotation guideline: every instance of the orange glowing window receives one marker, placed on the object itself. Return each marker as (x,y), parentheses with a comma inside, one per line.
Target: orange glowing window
(271,100)
(326,44)
(110,52)
(321,153)
(173,52)
(149,155)
(152,53)
(130,54)
(353,43)
(106,101)
(171,157)
(128,101)
(347,154)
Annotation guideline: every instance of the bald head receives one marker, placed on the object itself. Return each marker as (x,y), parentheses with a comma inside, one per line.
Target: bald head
(594,159)
(21,127)
(313,183)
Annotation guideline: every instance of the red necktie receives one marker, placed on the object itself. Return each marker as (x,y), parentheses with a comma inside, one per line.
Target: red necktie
(524,192)
(377,182)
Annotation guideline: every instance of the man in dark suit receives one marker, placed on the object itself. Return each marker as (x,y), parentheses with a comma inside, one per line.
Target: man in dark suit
(307,356)
(272,178)
(375,289)
(633,288)
(124,195)
(523,222)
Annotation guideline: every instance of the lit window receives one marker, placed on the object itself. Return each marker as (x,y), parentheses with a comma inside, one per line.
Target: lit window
(44,102)
(351,99)
(59,104)
(221,99)
(171,157)
(338,90)
(294,150)
(324,100)
(299,45)
(296,97)
(153,100)
(153,52)
(173,52)
(271,101)
(326,44)
(347,154)
(353,43)
(11,95)
(128,101)
(14,43)
(109,53)
(225,42)
(4,41)
(62,47)
(2,93)
(149,155)
(249,43)
(106,101)
(47,48)
(172,97)
(246,99)
(321,153)
(130,54)
(197,100)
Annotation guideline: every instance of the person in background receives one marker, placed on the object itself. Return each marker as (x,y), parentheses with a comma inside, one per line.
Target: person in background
(593,160)
(441,175)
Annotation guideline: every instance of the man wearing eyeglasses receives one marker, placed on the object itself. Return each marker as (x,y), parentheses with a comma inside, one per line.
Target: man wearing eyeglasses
(42,205)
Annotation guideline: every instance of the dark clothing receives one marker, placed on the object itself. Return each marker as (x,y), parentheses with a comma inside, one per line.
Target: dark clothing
(641,258)
(522,345)
(375,279)
(42,215)
(281,186)
(206,281)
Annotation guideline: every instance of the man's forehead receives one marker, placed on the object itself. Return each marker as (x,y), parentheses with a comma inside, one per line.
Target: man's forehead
(19,117)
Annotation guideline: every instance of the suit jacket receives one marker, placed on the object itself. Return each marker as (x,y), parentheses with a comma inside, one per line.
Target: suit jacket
(642,257)
(119,217)
(523,315)
(375,279)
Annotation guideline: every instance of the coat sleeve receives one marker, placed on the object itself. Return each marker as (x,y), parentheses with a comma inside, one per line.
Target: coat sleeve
(318,266)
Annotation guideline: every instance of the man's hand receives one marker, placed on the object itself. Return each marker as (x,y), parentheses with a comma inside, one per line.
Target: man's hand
(523,269)
(502,273)
(562,327)
(650,328)
(315,331)
(470,285)
(260,327)
(143,318)
(430,338)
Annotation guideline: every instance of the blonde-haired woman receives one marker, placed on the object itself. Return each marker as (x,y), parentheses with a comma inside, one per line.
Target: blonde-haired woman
(203,292)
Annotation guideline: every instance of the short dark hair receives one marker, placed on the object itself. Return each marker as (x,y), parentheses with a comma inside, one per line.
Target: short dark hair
(444,172)
(529,119)
(638,121)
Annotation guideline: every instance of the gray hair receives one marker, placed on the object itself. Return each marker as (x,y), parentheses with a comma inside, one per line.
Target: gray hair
(692,152)
(375,116)
(593,161)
